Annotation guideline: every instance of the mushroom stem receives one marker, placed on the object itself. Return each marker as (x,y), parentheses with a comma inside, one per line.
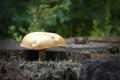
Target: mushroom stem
(42,55)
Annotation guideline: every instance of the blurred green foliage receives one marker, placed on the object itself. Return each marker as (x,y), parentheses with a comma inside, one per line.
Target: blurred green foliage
(69,18)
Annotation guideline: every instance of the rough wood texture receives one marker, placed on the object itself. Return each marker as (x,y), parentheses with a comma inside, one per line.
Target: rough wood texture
(104,69)
(76,52)
(89,61)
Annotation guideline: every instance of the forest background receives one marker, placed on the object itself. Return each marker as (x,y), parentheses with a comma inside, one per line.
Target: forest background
(69,18)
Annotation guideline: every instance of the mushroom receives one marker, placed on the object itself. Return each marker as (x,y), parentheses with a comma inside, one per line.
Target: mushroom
(41,41)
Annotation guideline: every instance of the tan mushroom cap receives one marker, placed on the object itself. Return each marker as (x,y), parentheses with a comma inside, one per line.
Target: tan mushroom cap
(42,40)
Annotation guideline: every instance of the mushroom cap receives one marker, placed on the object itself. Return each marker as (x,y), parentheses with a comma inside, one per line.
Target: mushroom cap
(42,40)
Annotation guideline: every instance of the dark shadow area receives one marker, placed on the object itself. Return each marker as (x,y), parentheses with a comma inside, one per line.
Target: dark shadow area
(54,55)
(30,55)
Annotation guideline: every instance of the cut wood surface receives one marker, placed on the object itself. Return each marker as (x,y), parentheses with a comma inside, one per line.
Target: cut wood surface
(78,61)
